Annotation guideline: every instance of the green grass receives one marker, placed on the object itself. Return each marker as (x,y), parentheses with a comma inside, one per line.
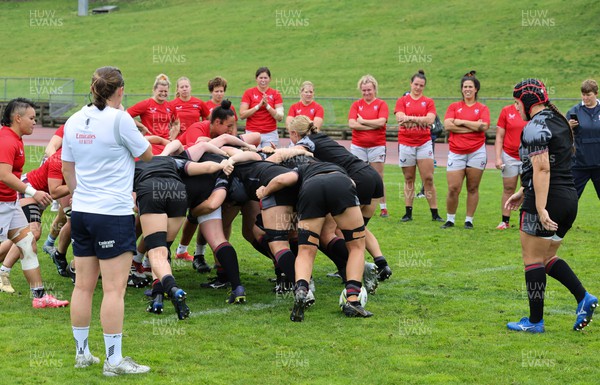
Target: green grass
(335,45)
(439,320)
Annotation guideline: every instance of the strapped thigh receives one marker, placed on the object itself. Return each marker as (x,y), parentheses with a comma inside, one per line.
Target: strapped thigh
(352,235)
(307,237)
(273,235)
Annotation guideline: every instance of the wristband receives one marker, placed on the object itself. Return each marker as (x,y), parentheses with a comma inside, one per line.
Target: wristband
(269,108)
(256,108)
(29,190)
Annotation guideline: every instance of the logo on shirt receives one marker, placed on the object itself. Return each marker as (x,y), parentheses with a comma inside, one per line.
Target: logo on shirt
(178,107)
(298,112)
(512,116)
(255,96)
(477,111)
(360,108)
(312,111)
(459,110)
(375,107)
(407,104)
(423,104)
(195,106)
(152,110)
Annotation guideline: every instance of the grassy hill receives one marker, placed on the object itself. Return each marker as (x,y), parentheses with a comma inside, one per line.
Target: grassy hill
(330,43)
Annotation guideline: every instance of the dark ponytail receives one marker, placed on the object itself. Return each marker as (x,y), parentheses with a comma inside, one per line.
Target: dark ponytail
(222,112)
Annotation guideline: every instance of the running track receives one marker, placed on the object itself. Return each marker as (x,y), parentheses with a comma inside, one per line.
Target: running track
(41,136)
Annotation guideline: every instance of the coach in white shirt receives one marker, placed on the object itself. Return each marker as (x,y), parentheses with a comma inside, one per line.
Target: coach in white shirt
(99,147)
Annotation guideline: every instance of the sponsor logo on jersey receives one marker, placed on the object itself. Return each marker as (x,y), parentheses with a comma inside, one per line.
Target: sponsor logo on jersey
(512,116)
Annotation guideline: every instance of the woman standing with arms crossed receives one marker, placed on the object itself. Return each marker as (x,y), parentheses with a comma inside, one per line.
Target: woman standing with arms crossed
(508,138)
(188,108)
(367,120)
(306,106)
(467,122)
(99,147)
(416,113)
(263,108)
(584,120)
(548,201)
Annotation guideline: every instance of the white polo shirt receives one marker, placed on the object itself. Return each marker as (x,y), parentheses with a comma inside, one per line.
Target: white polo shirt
(104,168)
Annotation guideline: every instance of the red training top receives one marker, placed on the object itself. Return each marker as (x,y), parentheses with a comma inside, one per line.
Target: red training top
(12,153)
(60,131)
(374,110)
(312,111)
(472,141)
(417,135)
(188,112)
(156,117)
(511,121)
(52,168)
(194,132)
(211,106)
(261,121)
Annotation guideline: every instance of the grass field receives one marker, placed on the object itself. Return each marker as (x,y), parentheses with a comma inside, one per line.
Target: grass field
(439,320)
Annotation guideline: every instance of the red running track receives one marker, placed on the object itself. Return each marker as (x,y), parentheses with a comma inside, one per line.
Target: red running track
(41,136)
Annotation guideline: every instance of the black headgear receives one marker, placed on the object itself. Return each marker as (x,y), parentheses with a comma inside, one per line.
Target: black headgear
(530,92)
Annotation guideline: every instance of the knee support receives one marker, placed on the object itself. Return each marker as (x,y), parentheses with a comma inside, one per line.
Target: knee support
(276,235)
(154,240)
(352,235)
(30,259)
(307,237)
(67,211)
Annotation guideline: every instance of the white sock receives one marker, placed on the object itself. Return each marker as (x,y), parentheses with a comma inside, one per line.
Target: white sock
(138,257)
(451,217)
(81,339)
(200,249)
(112,343)
(5,269)
(181,249)
(382,206)
(469,219)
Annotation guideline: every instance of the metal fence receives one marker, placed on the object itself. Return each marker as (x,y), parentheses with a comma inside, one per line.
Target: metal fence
(59,92)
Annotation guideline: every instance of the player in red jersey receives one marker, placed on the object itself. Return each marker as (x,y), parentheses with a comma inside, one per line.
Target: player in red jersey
(48,178)
(367,119)
(416,113)
(188,108)
(157,117)
(263,108)
(508,138)
(18,119)
(306,106)
(467,122)
(217,88)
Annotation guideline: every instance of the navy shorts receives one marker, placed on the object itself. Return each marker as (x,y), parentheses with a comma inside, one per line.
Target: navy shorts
(102,236)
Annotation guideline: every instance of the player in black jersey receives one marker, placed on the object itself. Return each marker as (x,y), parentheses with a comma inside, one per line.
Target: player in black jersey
(548,201)
(324,188)
(369,185)
(162,202)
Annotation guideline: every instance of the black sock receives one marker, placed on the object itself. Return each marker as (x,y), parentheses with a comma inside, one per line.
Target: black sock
(157,288)
(337,251)
(302,283)
(221,276)
(561,271)
(535,279)
(38,293)
(434,213)
(353,288)
(285,261)
(380,262)
(60,256)
(506,218)
(408,211)
(168,283)
(227,257)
